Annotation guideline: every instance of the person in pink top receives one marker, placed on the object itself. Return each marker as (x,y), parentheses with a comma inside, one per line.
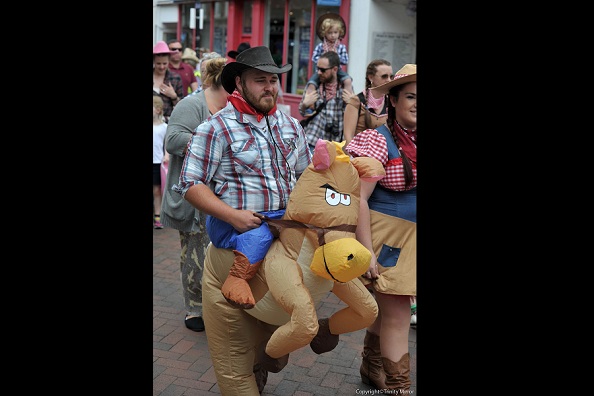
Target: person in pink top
(185,70)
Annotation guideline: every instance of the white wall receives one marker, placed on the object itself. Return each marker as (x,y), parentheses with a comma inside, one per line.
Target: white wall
(164,13)
(368,17)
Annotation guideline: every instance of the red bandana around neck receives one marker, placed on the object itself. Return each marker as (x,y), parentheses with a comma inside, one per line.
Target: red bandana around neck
(408,141)
(240,104)
(328,46)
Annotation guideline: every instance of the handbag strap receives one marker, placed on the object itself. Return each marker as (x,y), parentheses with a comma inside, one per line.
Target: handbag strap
(304,122)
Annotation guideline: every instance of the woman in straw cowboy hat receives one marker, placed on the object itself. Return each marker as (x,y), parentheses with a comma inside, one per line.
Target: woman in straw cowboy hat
(244,159)
(387,227)
(190,57)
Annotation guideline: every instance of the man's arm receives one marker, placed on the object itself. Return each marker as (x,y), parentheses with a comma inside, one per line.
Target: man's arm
(202,198)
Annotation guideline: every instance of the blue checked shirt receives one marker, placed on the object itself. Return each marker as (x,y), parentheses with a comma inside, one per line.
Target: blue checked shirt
(343,55)
(241,162)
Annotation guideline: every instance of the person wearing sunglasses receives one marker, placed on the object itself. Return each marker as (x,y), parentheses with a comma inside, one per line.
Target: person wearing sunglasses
(327,103)
(185,70)
(331,29)
(367,109)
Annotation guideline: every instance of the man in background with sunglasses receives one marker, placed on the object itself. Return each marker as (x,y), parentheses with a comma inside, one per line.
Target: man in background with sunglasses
(182,68)
(327,103)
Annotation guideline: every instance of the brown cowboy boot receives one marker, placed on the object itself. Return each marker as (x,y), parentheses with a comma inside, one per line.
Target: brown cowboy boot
(261,376)
(236,289)
(397,374)
(324,341)
(372,371)
(268,363)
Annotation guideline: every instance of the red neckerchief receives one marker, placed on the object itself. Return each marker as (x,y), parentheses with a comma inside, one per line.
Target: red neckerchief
(328,46)
(244,107)
(328,90)
(408,141)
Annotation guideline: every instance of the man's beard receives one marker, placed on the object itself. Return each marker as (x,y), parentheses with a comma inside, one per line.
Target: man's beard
(328,80)
(257,103)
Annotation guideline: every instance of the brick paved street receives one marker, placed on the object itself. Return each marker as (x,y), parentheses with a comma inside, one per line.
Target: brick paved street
(182,364)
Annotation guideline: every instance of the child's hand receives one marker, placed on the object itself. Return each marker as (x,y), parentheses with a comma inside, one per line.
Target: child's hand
(347,95)
(310,98)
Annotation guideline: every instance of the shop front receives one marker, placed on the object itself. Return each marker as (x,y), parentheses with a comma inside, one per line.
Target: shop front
(287,27)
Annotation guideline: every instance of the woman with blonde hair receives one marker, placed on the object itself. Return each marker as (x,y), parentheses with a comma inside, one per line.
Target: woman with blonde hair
(178,213)
(159,156)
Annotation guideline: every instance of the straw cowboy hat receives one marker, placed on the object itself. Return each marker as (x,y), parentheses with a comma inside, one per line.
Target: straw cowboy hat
(191,55)
(407,74)
(257,58)
(161,48)
(333,16)
(240,48)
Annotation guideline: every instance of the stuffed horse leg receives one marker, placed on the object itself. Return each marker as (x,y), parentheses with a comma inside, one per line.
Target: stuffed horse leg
(360,312)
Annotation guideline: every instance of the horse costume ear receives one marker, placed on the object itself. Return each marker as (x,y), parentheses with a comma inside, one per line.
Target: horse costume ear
(326,152)
(323,155)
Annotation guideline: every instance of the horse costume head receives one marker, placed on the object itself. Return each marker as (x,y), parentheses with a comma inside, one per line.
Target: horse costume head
(326,199)
(316,251)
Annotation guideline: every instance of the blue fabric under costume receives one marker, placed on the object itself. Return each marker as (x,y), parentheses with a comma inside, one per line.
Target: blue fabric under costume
(253,243)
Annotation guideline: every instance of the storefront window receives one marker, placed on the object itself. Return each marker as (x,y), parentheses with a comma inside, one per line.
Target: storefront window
(219,43)
(247,17)
(297,44)
(203,36)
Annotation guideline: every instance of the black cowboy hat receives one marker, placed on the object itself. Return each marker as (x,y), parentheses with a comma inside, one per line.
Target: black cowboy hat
(256,58)
(240,48)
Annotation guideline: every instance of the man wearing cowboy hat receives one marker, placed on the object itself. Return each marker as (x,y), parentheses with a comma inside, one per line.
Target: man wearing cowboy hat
(245,159)
(240,48)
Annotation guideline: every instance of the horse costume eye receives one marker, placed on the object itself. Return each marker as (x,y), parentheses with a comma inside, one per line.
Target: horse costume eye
(334,198)
(345,199)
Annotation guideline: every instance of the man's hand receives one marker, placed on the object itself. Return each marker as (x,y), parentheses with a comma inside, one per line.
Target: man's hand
(244,220)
